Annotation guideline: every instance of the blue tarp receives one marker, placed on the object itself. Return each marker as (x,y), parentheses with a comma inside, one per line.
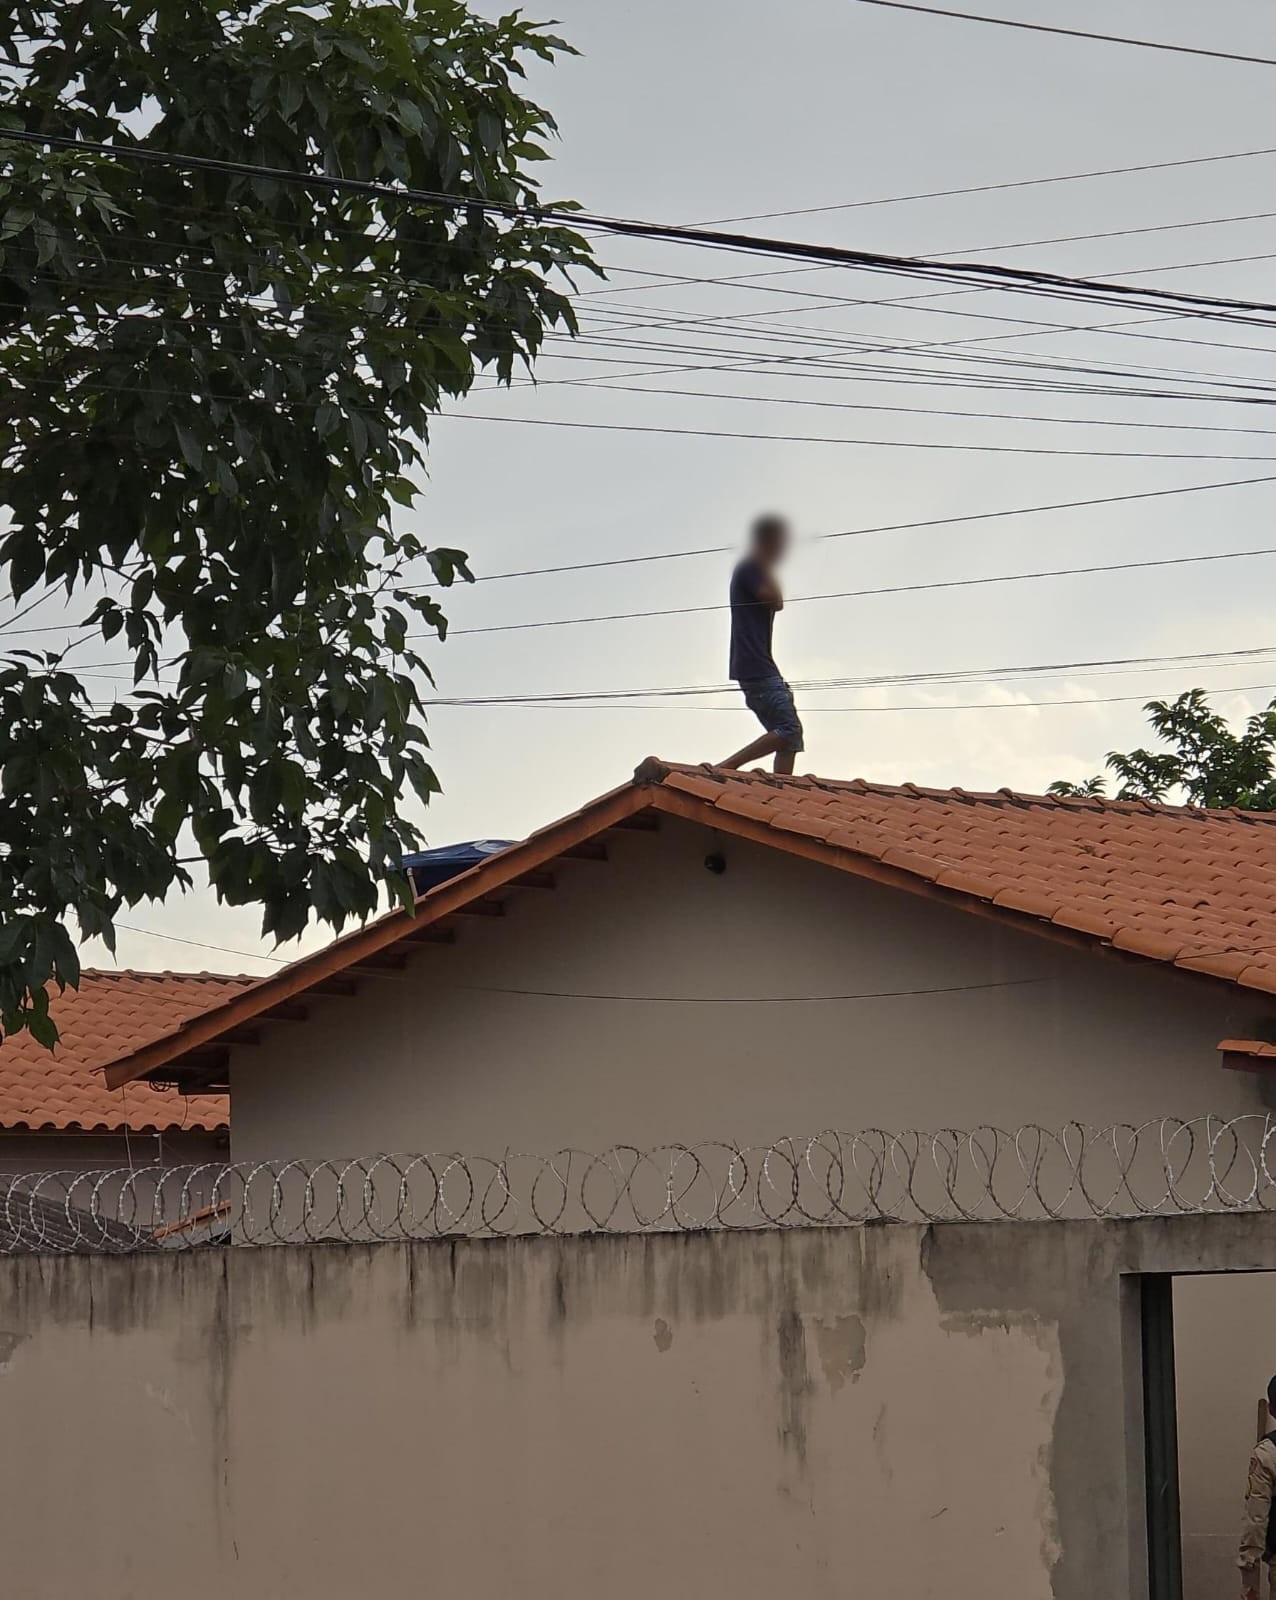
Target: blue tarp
(429,868)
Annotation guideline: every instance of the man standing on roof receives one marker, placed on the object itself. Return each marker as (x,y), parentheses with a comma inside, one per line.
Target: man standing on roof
(755,599)
(1258,1535)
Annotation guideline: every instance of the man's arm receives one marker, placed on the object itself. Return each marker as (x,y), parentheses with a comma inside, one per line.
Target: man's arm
(1258,1503)
(768,592)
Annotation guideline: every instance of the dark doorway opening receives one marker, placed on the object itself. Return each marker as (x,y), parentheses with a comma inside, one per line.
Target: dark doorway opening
(1208,1347)
(1160,1439)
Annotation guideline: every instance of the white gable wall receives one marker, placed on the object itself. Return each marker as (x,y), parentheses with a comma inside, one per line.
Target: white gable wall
(436,1059)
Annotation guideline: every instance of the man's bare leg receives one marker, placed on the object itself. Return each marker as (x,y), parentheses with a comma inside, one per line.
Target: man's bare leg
(768,744)
(784,760)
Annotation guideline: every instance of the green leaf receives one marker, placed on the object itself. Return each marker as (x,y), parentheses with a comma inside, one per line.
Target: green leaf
(192,450)
(291,95)
(13,939)
(42,1030)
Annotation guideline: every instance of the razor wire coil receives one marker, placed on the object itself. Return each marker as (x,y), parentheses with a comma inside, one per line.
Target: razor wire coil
(1162,1167)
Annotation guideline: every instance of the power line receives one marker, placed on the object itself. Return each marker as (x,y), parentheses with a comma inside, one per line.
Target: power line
(804,336)
(843,342)
(860,594)
(907,266)
(833,439)
(879,444)
(200,944)
(360,274)
(988,188)
(859,533)
(790,438)
(1021,280)
(1011,373)
(551,704)
(623,317)
(911,411)
(331,227)
(841,533)
(826,366)
(807,710)
(1115,666)
(747,360)
(1074,33)
(1113,330)
(1104,667)
(867,346)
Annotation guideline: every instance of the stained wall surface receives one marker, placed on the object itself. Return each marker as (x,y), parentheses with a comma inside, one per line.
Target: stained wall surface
(896,1410)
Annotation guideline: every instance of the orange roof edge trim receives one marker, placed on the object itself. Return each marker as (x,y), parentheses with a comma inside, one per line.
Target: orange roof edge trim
(336,958)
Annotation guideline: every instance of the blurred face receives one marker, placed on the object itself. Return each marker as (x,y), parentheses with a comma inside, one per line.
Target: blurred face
(771,542)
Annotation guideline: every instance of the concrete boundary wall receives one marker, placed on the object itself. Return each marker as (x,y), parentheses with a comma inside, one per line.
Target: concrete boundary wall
(891,1410)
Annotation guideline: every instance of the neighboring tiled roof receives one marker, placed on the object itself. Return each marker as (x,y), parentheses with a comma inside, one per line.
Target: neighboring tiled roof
(1170,883)
(111,1014)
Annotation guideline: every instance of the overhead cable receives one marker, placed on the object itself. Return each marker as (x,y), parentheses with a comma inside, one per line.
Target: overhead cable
(1101,667)
(859,533)
(989,188)
(201,944)
(877,444)
(1018,279)
(1074,33)
(810,710)
(840,533)
(860,594)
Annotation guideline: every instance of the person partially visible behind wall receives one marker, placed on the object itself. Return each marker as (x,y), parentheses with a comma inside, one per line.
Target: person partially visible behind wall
(1258,1534)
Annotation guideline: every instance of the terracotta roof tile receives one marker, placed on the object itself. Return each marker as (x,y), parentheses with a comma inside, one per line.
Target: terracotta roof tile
(1080,920)
(968,882)
(1020,898)
(1246,1047)
(697,783)
(1148,942)
(110,1014)
(745,805)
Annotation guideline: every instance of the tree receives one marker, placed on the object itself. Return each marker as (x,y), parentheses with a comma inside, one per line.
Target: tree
(214,405)
(1206,763)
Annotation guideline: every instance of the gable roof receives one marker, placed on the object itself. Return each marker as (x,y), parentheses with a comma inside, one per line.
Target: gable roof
(109,1015)
(1174,884)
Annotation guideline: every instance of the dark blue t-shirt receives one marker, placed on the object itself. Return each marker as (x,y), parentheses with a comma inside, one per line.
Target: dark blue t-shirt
(751,623)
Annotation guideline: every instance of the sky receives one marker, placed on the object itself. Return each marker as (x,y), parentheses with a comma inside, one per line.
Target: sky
(687,113)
